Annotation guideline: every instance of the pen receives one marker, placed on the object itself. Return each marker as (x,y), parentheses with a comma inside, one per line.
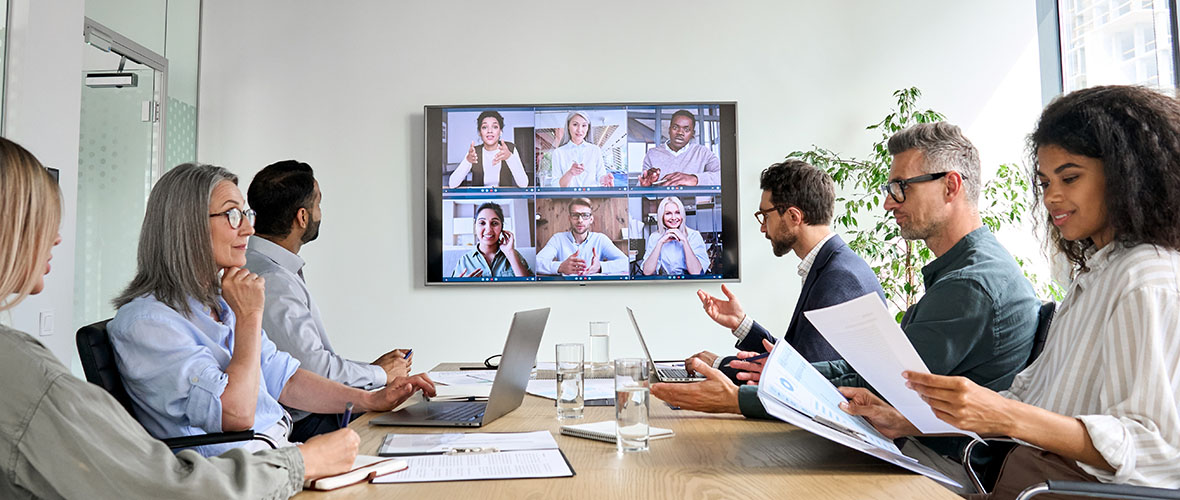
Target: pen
(756,358)
(408,353)
(347,415)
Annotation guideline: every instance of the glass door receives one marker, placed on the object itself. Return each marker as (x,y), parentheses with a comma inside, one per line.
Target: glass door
(120,157)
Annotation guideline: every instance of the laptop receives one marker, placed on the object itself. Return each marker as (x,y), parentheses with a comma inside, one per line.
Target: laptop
(658,373)
(512,377)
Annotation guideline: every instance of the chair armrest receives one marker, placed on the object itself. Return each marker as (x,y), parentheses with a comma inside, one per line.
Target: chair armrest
(966,460)
(1099,490)
(217,438)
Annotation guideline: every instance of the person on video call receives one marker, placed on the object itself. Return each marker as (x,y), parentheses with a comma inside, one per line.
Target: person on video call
(495,162)
(287,197)
(495,254)
(679,161)
(578,162)
(580,251)
(675,248)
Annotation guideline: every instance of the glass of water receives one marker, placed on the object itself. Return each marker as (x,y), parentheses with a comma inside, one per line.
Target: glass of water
(570,386)
(600,349)
(632,400)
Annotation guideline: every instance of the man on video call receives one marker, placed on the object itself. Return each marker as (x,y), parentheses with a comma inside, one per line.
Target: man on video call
(286,197)
(580,251)
(679,161)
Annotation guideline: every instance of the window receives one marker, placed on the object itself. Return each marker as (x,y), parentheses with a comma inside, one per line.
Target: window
(1105,42)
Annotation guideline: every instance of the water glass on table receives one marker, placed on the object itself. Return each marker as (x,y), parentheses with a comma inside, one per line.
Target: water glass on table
(600,349)
(632,402)
(570,384)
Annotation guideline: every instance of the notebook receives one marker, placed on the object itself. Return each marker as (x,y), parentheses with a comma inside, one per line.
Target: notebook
(365,469)
(605,431)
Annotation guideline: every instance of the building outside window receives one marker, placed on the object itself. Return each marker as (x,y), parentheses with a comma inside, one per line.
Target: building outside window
(1105,42)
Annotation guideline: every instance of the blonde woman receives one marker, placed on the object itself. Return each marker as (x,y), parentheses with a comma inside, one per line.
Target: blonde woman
(676,248)
(577,162)
(65,438)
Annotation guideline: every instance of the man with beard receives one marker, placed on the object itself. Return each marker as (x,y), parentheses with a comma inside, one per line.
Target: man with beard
(795,214)
(286,198)
(580,251)
(679,161)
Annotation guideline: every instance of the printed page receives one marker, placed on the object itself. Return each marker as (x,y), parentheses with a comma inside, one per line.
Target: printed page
(470,466)
(863,332)
(420,444)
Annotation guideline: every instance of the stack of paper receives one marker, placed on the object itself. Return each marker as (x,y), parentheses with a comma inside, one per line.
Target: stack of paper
(477,455)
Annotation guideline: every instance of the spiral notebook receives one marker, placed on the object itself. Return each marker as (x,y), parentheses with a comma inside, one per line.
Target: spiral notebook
(605,431)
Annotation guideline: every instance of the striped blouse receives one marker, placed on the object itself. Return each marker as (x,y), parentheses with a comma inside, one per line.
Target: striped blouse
(1112,359)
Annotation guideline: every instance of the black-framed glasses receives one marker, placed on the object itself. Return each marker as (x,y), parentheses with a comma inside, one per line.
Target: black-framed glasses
(760,215)
(896,189)
(581,216)
(235,216)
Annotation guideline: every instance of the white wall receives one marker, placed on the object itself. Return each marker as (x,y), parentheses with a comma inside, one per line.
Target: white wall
(42,109)
(342,85)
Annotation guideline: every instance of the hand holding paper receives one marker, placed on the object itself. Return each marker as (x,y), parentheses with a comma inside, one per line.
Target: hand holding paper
(870,340)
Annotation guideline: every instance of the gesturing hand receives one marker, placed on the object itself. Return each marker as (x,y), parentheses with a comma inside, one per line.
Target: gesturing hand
(649,177)
(472,156)
(244,291)
(507,242)
(576,168)
(502,153)
(679,179)
(727,313)
(595,266)
(471,274)
(572,264)
(607,180)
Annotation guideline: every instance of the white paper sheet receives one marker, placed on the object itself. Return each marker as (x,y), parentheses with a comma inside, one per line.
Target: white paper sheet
(502,465)
(595,388)
(421,444)
(463,377)
(464,392)
(793,391)
(866,336)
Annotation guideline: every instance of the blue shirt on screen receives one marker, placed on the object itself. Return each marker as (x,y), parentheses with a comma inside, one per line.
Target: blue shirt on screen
(671,256)
(174,369)
(500,267)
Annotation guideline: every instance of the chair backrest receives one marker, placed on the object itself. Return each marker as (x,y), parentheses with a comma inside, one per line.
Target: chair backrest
(98,362)
(1044,319)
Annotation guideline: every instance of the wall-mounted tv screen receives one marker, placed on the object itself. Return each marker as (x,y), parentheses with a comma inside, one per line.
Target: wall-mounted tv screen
(578,193)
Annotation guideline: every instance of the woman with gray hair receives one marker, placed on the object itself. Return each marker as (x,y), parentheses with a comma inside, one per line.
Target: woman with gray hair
(577,162)
(676,248)
(66,438)
(188,333)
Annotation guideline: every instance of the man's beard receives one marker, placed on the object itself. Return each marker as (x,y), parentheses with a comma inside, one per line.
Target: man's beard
(783,246)
(919,232)
(311,233)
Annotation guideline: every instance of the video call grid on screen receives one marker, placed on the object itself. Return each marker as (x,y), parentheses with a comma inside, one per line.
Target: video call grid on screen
(660,180)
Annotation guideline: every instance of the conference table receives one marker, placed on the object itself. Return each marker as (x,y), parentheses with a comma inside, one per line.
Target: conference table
(711,456)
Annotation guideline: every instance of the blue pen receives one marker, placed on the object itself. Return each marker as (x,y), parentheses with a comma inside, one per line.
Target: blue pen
(347,415)
(755,358)
(408,353)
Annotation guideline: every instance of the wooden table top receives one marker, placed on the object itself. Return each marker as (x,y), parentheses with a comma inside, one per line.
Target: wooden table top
(711,456)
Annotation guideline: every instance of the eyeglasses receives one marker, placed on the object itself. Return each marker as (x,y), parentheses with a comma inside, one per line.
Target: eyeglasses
(581,215)
(760,215)
(234,216)
(896,189)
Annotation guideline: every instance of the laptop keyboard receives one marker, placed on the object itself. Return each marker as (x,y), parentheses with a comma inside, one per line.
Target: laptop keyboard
(674,373)
(460,413)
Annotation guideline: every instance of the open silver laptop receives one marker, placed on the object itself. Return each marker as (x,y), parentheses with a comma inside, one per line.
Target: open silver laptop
(662,374)
(512,377)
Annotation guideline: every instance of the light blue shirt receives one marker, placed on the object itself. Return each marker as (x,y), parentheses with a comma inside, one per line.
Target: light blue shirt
(174,369)
(500,267)
(671,256)
(562,245)
(589,155)
(292,320)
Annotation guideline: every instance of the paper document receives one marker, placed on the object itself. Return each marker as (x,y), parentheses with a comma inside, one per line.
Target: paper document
(864,333)
(795,392)
(463,377)
(595,388)
(469,466)
(464,392)
(426,444)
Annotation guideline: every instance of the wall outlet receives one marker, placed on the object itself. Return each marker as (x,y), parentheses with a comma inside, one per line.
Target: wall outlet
(46,323)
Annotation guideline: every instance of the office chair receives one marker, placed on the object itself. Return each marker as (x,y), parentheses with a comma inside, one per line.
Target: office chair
(98,361)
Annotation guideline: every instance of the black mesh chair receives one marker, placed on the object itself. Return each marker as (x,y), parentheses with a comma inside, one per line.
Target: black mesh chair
(1000,446)
(98,361)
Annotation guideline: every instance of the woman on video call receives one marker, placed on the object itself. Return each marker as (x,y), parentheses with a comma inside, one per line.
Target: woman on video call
(495,162)
(578,162)
(679,248)
(495,253)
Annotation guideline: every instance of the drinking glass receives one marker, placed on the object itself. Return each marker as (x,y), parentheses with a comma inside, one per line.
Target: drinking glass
(632,402)
(570,385)
(600,349)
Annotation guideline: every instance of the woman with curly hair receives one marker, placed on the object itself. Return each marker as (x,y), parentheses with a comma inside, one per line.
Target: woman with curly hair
(1100,404)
